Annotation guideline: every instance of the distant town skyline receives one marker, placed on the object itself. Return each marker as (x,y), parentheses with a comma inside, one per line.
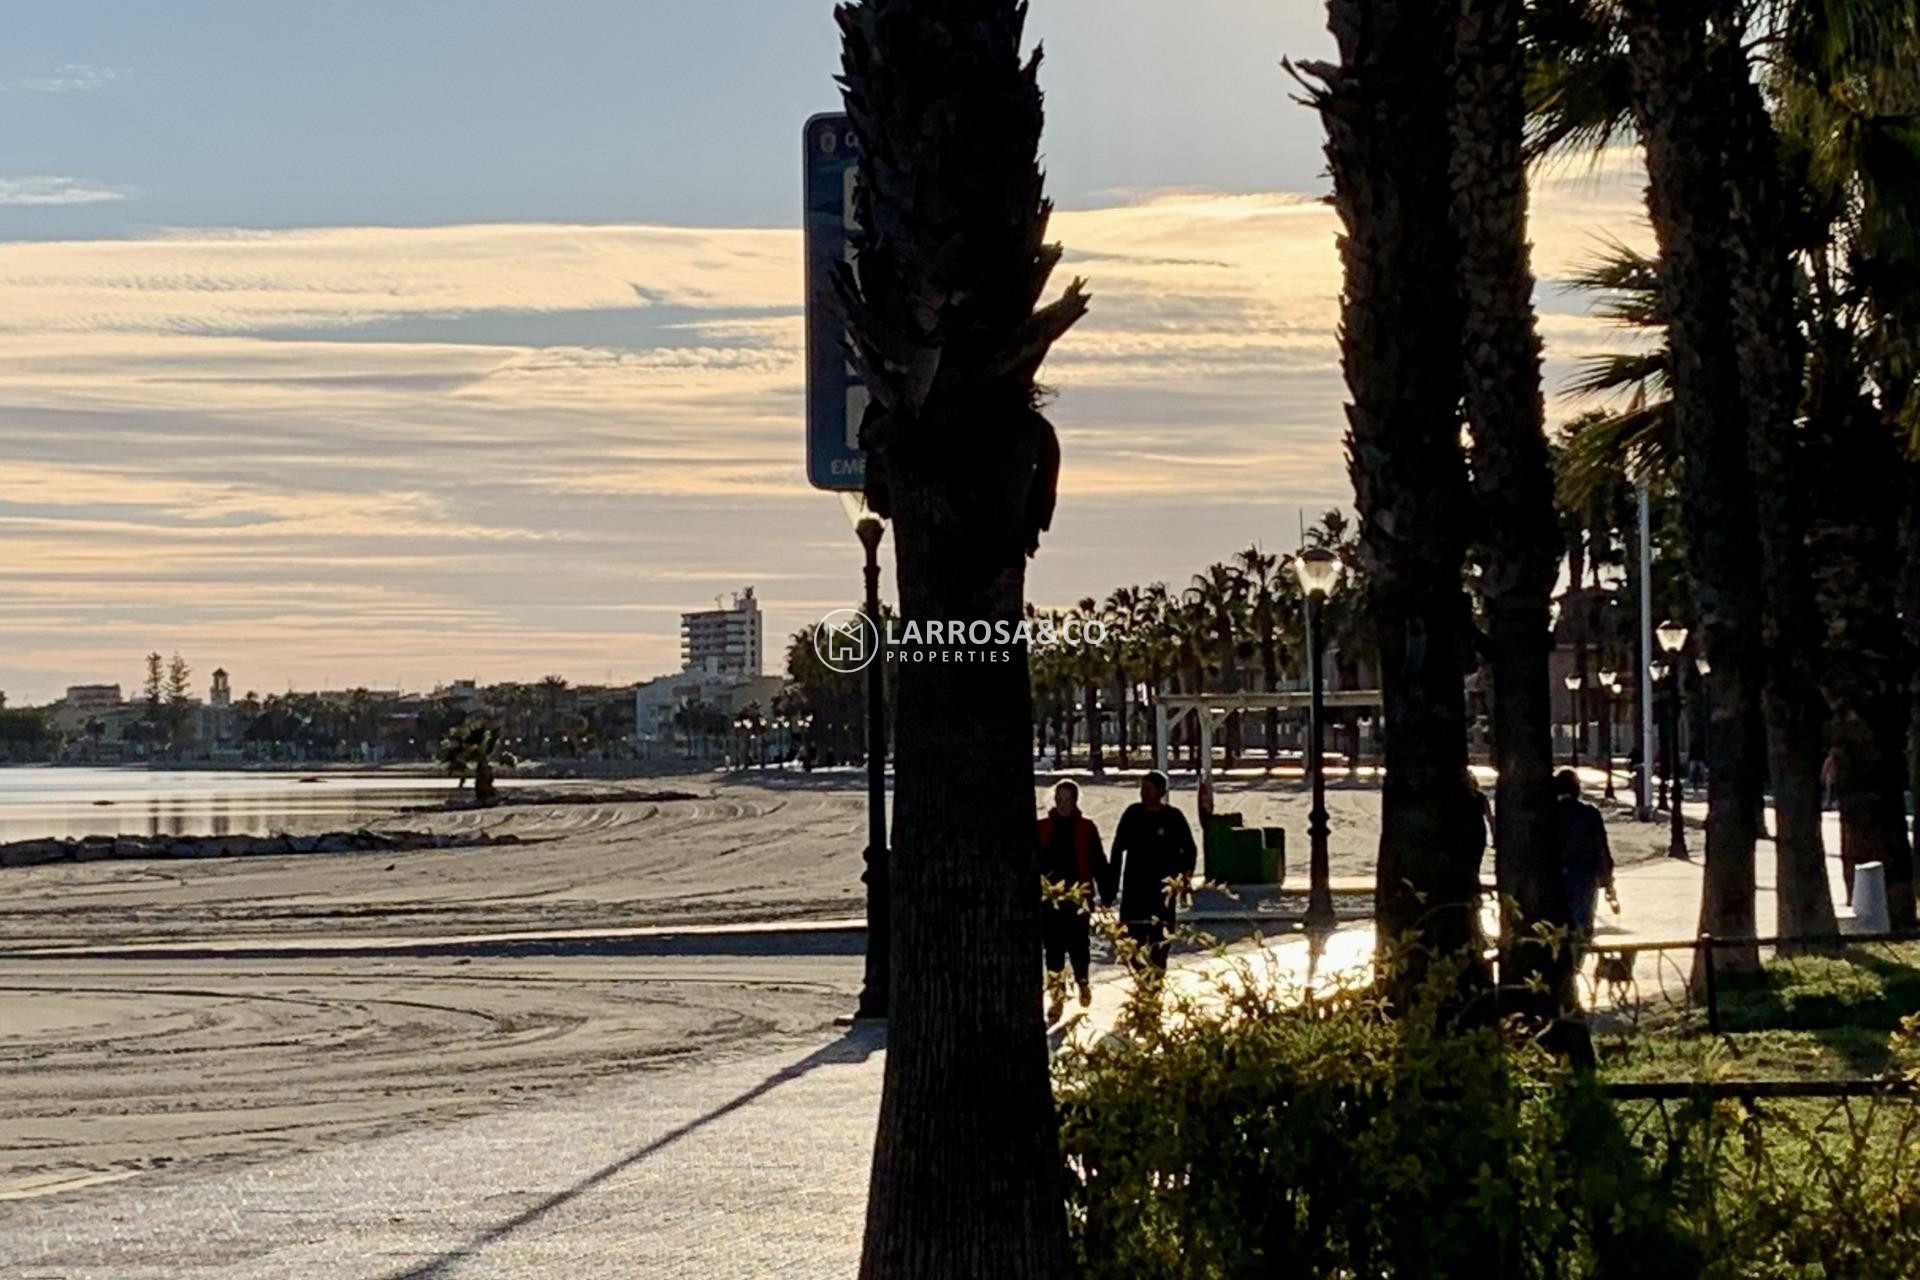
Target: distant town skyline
(384,382)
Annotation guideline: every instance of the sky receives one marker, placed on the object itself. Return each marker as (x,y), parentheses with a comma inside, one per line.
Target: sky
(388,344)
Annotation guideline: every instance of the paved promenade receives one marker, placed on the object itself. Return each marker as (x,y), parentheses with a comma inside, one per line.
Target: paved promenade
(751,1165)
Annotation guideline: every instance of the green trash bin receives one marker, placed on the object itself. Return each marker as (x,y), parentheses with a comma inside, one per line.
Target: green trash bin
(1243,855)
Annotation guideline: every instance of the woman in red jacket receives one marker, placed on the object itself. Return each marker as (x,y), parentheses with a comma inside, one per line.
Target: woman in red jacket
(1073,867)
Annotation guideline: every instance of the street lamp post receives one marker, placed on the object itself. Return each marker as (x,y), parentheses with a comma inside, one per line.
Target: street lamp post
(1575,682)
(1609,690)
(1657,672)
(1319,572)
(1673,639)
(876,981)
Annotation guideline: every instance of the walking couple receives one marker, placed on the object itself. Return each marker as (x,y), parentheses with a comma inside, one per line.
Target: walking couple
(1153,858)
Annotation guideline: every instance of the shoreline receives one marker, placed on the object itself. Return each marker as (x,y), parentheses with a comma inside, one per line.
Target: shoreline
(397,768)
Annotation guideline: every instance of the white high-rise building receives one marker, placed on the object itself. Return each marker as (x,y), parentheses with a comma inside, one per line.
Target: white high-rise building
(723,642)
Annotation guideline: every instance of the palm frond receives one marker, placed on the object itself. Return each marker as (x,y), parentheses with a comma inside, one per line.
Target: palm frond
(1644,373)
(1628,282)
(1578,86)
(1636,444)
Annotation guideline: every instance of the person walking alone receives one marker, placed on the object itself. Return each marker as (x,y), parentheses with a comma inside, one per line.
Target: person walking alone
(1073,870)
(1586,859)
(1154,851)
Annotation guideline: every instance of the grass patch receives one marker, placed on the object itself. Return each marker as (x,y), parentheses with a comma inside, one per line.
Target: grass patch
(1803,1017)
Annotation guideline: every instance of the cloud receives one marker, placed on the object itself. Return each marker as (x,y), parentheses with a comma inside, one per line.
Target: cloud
(68,77)
(46,189)
(369,454)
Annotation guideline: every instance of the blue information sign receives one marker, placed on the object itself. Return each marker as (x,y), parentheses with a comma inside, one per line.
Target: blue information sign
(835,396)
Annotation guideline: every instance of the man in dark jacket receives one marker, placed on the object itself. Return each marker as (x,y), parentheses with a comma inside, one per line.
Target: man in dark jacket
(1153,848)
(1073,869)
(1586,859)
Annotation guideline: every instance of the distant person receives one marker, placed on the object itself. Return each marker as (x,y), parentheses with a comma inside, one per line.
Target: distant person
(1072,861)
(1586,860)
(1482,832)
(1152,846)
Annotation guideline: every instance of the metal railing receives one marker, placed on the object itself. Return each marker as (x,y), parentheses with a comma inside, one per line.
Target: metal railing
(1621,984)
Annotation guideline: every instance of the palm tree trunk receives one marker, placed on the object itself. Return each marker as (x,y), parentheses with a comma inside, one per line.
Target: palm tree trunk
(1272,668)
(1385,110)
(1122,709)
(1770,363)
(1230,683)
(966,1176)
(1513,484)
(951,261)
(1910,613)
(1679,116)
(1197,684)
(1636,665)
(1090,696)
(1856,544)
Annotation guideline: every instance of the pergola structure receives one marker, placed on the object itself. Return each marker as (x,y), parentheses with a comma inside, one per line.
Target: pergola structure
(1210,709)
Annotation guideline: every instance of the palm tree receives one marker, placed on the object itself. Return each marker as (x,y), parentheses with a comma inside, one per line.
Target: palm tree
(362,717)
(943,315)
(1770,361)
(1090,667)
(1348,626)
(1385,107)
(473,746)
(547,696)
(1777,156)
(1639,438)
(1191,626)
(1843,96)
(690,719)
(1512,483)
(1155,650)
(1679,105)
(1217,595)
(1121,615)
(1054,680)
(1265,588)
(1908,588)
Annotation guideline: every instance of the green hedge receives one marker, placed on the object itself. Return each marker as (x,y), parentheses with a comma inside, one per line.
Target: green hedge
(1240,1135)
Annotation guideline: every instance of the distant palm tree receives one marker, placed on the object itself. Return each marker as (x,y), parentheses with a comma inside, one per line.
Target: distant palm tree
(1218,594)
(1121,615)
(1090,671)
(1260,573)
(1055,679)
(1190,633)
(473,746)
(1155,650)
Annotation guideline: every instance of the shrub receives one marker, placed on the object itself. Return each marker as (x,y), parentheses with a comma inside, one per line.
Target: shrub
(1245,1133)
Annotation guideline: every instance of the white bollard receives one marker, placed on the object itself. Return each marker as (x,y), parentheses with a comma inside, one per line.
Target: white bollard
(1869,913)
